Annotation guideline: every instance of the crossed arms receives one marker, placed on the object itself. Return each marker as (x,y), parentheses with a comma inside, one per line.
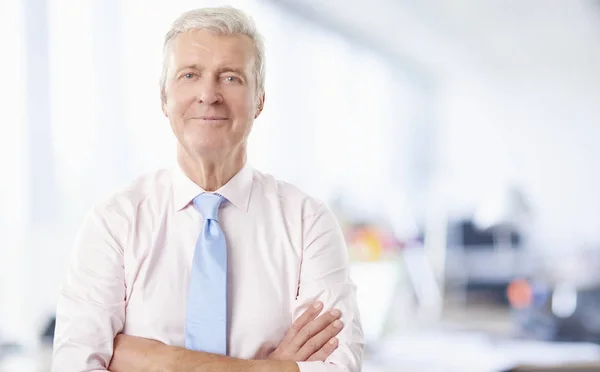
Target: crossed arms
(311,338)
(91,310)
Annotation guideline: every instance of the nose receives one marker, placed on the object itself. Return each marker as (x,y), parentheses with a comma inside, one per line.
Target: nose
(209,93)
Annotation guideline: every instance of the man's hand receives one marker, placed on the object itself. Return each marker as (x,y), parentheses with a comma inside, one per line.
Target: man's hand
(310,338)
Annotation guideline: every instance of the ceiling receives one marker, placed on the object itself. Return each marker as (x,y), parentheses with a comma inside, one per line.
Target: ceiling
(507,38)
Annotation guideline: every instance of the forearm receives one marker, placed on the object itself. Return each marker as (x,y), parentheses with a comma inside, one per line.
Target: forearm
(183,360)
(133,354)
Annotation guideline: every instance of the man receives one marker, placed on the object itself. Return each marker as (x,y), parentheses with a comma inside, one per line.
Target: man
(211,265)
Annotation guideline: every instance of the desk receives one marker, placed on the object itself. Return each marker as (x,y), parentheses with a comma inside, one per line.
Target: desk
(582,367)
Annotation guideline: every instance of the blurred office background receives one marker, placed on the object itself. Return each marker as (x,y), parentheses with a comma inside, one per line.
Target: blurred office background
(457,141)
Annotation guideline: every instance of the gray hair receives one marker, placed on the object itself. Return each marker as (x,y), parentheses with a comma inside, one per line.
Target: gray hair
(223,20)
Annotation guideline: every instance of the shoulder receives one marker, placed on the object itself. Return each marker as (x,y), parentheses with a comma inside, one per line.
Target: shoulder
(127,201)
(289,196)
(113,219)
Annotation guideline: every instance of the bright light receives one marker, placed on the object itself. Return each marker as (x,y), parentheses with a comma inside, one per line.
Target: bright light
(564,301)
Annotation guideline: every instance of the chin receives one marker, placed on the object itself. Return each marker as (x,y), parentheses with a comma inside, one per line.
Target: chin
(207,144)
(208,140)
(205,148)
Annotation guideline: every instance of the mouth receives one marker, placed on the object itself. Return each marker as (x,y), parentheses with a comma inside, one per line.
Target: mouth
(211,118)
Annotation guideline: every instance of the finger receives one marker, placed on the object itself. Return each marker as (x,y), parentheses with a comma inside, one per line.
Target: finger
(264,352)
(309,315)
(314,327)
(325,351)
(319,340)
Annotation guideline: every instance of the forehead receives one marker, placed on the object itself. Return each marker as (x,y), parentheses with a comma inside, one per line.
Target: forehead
(206,48)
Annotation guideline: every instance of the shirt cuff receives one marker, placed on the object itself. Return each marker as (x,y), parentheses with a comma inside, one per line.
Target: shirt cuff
(320,367)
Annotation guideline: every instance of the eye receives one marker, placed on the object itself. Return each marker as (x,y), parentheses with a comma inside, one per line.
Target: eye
(189,75)
(232,79)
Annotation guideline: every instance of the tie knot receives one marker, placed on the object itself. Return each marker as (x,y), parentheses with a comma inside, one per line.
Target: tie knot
(208,204)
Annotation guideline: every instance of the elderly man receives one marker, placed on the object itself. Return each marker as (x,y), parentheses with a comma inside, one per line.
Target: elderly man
(211,265)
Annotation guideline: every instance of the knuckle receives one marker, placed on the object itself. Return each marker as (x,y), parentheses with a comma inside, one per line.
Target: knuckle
(281,353)
(327,331)
(316,326)
(330,318)
(336,326)
(306,331)
(325,320)
(330,331)
(312,346)
(295,326)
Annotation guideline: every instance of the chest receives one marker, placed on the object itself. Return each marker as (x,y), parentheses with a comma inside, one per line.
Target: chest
(263,271)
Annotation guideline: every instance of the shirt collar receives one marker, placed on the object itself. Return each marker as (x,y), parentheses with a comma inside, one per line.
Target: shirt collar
(236,190)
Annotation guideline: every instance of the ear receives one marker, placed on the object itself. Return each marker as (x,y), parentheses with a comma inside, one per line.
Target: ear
(260,106)
(163,107)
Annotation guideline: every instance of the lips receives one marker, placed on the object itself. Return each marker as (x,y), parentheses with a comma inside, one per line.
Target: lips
(215,118)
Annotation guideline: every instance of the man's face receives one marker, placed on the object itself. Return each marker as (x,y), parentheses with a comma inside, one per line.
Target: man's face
(210,92)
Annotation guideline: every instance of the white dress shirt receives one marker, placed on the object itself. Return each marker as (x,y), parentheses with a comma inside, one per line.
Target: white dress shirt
(131,265)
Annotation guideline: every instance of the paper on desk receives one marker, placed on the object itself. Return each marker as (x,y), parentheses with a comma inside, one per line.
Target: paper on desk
(473,352)
(548,353)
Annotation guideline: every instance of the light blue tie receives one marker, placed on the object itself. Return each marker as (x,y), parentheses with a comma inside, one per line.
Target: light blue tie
(206,320)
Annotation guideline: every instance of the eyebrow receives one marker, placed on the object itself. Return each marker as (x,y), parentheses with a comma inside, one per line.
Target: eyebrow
(186,67)
(238,71)
(220,70)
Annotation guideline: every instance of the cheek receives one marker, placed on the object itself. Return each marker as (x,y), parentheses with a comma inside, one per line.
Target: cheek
(244,105)
(178,100)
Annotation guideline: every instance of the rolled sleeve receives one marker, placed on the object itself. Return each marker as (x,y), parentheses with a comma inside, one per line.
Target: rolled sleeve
(91,305)
(324,276)
(320,367)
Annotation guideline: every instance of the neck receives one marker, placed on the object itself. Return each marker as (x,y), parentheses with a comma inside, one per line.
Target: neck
(209,173)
